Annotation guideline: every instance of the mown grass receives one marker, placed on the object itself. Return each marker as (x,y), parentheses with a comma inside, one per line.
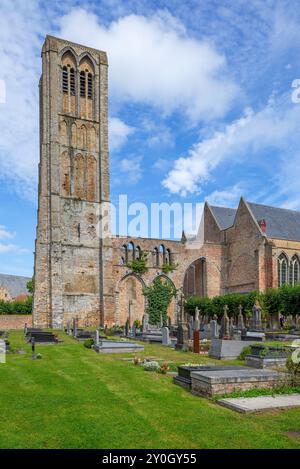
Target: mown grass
(75,398)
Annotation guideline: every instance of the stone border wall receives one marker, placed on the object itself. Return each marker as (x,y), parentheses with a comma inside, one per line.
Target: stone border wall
(15,321)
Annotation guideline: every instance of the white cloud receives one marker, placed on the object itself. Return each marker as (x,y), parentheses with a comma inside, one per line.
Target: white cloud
(132,168)
(228,197)
(154,61)
(20,68)
(5,248)
(5,234)
(273,127)
(118,133)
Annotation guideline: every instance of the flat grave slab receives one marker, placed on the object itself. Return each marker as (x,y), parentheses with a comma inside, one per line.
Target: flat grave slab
(212,383)
(113,346)
(227,349)
(183,378)
(259,404)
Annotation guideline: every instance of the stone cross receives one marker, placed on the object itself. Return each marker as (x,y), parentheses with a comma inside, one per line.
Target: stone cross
(231,327)
(97,337)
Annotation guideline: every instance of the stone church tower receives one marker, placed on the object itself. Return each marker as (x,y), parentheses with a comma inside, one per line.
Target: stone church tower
(73,266)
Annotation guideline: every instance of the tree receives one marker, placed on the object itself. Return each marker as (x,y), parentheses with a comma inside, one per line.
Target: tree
(30,286)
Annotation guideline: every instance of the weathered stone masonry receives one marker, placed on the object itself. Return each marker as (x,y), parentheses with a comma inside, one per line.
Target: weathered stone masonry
(79,274)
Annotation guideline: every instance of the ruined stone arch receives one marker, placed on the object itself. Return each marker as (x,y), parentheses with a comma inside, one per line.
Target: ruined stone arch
(194,279)
(171,312)
(130,301)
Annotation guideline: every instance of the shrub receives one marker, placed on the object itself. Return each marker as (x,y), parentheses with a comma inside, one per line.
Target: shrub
(285,300)
(244,352)
(294,371)
(16,307)
(151,366)
(139,266)
(39,356)
(88,343)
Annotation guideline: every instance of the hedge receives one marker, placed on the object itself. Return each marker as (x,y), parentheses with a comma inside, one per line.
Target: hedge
(16,307)
(284,300)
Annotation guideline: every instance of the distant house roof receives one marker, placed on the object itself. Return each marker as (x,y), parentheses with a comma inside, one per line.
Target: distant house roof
(224,216)
(16,285)
(281,223)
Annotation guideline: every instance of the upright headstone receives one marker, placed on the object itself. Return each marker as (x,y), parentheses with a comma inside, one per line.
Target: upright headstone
(225,332)
(231,328)
(145,322)
(182,331)
(127,328)
(213,329)
(165,336)
(197,320)
(97,337)
(241,324)
(256,316)
(190,327)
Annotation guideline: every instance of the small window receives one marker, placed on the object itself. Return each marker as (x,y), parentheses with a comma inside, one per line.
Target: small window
(65,80)
(72,81)
(82,84)
(90,86)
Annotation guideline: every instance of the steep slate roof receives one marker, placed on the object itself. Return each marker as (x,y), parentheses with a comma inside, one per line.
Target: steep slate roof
(224,216)
(16,285)
(281,222)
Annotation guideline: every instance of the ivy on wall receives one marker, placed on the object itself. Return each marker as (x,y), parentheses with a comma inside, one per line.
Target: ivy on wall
(159,296)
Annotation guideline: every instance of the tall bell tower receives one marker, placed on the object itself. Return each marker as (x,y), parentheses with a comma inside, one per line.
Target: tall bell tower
(73,262)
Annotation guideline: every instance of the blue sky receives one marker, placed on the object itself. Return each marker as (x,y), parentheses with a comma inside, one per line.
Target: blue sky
(200,103)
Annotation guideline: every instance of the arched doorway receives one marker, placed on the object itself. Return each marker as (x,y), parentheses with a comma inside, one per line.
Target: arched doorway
(194,283)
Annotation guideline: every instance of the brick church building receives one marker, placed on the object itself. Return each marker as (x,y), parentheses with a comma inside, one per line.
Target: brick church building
(79,274)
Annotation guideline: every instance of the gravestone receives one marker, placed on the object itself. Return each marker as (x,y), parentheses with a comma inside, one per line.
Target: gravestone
(97,337)
(190,328)
(182,331)
(225,332)
(213,329)
(241,324)
(127,327)
(197,321)
(145,322)
(165,336)
(256,317)
(231,328)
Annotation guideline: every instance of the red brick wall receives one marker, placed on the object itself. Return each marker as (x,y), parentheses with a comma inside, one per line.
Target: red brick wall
(14,321)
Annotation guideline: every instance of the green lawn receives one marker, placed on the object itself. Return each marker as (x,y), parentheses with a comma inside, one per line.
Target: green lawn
(75,398)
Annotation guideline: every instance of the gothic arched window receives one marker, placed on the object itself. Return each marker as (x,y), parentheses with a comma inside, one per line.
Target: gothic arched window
(282,270)
(68,83)
(86,79)
(125,253)
(294,270)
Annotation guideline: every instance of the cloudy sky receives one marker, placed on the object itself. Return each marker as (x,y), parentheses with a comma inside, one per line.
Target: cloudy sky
(200,103)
